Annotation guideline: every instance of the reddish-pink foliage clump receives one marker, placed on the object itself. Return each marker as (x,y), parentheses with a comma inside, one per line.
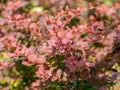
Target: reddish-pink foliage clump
(87,49)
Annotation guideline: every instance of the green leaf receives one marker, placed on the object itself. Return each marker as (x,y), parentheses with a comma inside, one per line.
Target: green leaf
(29,42)
(108,2)
(84,85)
(55,86)
(4,57)
(4,83)
(27,73)
(61,63)
(16,83)
(84,35)
(37,9)
(1,16)
(98,45)
(74,22)
(60,57)
(91,12)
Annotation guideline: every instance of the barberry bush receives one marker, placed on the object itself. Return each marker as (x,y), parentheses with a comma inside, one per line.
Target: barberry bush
(59,45)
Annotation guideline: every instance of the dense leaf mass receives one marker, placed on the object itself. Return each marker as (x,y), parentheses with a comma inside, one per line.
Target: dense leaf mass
(59,44)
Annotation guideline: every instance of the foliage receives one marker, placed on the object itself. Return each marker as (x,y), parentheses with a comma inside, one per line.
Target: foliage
(59,44)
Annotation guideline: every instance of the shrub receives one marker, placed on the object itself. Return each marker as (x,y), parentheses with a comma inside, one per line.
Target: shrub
(73,49)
